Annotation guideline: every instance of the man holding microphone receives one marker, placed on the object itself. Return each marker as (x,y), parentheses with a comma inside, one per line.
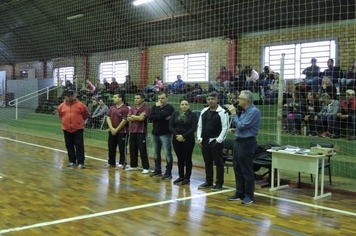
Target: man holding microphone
(246,129)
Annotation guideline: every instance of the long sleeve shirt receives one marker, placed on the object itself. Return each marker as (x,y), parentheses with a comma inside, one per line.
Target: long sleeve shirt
(248,123)
(185,126)
(214,127)
(160,119)
(311,72)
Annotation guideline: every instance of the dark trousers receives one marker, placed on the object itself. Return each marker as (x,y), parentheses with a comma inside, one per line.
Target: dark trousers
(212,153)
(138,142)
(244,152)
(184,152)
(75,146)
(120,139)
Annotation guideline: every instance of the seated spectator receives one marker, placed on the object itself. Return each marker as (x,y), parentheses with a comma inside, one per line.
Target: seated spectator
(113,86)
(176,86)
(312,78)
(222,80)
(89,86)
(238,80)
(328,87)
(313,107)
(272,92)
(325,118)
(295,110)
(346,115)
(302,88)
(195,91)
(106,84)
(350,80)
(91,107)
(333,72)
(99,113)
(128,86)
(154,89)
(266,78)
(251,78)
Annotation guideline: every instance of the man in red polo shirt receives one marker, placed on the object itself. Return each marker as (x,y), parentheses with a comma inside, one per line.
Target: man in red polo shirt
(138,134)
(118,129)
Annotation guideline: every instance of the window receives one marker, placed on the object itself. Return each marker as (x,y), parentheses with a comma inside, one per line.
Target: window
(194,67)
(61,74)
(117,69)
(298,56)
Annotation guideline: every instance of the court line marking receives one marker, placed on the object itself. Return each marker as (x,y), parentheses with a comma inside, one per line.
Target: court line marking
(49,148)
(169,201)
(104,213)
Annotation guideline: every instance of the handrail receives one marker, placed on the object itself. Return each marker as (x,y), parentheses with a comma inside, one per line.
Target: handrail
(29,96)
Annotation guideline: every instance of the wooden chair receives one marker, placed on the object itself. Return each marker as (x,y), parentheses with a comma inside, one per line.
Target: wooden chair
(327,162)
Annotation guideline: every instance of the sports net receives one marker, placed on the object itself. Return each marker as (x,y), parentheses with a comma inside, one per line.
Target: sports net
(48,47)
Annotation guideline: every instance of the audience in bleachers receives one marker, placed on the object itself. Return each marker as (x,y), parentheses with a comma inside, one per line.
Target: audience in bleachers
(176,86)
(128,86)
(295,109)
(350,78)
(251,79)
(346,115)
(312,75)
(266,78)
(325,118)
(332,71)
(272,92)
(222,81)
(302,88)
(113,85)
(328,87)
(313,107)
(238,80)
(97,116)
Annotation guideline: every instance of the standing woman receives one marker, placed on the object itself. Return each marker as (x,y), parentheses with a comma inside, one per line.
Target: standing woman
(183,124)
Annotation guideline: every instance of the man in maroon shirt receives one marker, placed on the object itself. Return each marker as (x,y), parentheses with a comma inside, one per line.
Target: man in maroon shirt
(138,133)
(118,129)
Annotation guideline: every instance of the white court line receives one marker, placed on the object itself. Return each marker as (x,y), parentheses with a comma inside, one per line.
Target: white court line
(65,220)
(49,148)
(307,204)
(191,197)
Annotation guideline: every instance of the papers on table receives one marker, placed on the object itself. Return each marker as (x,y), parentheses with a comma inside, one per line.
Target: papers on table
(292,149)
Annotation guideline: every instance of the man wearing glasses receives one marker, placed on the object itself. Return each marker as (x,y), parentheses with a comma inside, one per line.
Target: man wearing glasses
(212,130)
(247,125)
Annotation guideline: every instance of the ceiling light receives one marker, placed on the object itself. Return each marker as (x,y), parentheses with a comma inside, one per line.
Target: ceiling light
(75,17)
(139,2)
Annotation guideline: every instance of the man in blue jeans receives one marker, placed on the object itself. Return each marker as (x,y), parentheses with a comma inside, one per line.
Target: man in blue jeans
(161,136)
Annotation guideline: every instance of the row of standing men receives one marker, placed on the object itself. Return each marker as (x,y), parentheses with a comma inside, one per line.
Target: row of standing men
(172,127)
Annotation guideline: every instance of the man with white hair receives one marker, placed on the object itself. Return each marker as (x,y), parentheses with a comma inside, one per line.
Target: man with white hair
(247,126)
(346,115)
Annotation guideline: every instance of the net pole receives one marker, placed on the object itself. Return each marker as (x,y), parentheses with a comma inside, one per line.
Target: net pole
(280,101)
(17,108)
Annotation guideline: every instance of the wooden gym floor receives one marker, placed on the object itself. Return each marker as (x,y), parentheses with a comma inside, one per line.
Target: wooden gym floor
(41,196)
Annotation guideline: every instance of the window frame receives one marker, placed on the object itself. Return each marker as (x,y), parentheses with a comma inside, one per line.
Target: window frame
(57,78)
(185,73)
(118,77)
(298,59)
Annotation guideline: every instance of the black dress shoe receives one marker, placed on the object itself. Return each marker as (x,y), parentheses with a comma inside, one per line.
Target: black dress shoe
(205,185)
(185,181)
(216,187)
(178,180)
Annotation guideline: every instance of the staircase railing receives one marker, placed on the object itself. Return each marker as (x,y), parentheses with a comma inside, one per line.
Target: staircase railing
(29,96)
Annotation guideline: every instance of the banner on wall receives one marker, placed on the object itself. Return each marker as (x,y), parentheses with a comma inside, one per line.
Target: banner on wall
(2,88)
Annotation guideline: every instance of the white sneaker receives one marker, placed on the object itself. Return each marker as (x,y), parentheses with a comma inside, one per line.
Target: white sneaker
(127,167)
(120,167)
(145,171)
(131,168)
